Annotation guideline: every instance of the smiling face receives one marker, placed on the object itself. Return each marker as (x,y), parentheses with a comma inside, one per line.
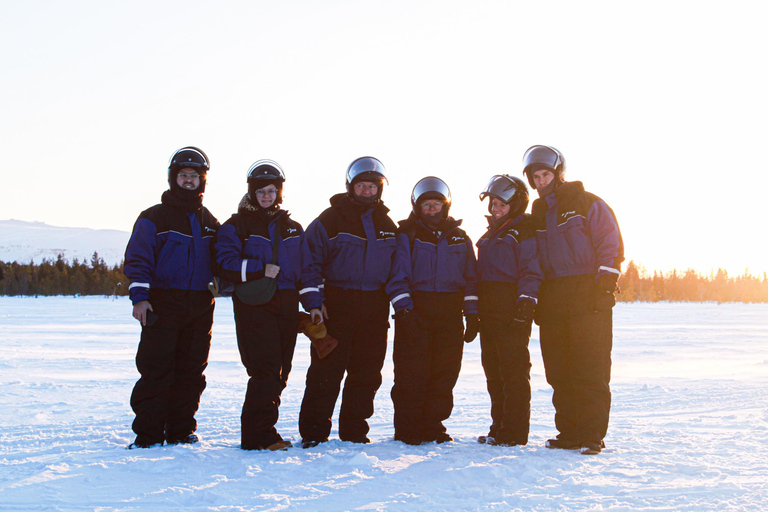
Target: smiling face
(499,208)
(266,196)
(365,189)
(188,179)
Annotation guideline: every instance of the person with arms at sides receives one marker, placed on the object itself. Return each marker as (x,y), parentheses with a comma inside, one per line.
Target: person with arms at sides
(510,276)
(168,262)
(434,288)
(580,252)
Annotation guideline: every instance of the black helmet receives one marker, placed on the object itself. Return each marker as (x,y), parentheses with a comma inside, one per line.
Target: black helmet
(192,157)
(508,189)
(189,156)
(263,173)
(366,168)
(431,188)
(543,157)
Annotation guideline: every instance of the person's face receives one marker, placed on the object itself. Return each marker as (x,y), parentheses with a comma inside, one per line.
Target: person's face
(542,178)
(188,179)
(365,189)
(498,208)
(431,206)
(266,196)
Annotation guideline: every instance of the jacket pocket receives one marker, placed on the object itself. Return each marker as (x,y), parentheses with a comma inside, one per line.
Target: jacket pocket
(174,261)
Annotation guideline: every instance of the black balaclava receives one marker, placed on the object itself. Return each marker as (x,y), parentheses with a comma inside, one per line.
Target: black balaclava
(185,195)
(432,220)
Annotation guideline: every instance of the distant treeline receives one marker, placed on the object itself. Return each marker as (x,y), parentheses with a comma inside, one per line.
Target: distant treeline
(689,286)
(60,277)
(94,277)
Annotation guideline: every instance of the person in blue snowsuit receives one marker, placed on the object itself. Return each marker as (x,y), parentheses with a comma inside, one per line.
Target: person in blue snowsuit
(168,263)
(580,252)
(266,333)
(510,276)
(433,287)
(352,245)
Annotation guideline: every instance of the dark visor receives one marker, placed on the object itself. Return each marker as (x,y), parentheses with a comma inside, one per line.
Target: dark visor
(541,156)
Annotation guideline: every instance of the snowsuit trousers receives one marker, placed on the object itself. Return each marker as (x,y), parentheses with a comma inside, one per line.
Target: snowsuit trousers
(172,355)
(506,361)
(359,321)
(266,338)
(427,360)
(576,345)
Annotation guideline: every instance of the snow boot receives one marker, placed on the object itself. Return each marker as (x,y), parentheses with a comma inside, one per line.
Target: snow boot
(592,448)
(442,437)
(311,443)
(358,440)
(136,445)
(562,443)
(188,439)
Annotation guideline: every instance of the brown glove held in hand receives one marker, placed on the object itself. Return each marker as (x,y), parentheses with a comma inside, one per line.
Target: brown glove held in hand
(317,334)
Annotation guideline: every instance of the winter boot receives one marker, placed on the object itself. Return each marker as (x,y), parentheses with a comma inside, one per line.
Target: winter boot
(562,443)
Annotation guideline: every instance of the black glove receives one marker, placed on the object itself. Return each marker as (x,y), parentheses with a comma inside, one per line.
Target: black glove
(604,288)
(473,325)
(524,313)
(406,319)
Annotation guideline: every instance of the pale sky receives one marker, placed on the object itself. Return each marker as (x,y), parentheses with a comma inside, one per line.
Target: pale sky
(659,107)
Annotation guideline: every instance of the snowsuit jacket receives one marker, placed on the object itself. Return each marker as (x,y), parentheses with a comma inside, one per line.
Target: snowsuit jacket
(577,233)
(244,247)
(170,249)
(352,247)
(509,254)
(432,262)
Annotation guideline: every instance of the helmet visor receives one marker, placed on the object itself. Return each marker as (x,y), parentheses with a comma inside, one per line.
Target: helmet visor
(541,156)
(501,187)
(366,167)
(431,186)
(189,157)
(266,170)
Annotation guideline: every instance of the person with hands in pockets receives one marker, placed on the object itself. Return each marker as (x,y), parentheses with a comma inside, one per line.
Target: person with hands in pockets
(352,245)
(580,252)
(262,244)
(510,276)
(433,287)
(168,263)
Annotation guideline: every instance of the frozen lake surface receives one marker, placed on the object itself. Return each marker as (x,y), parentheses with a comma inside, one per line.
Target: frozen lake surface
(689,425)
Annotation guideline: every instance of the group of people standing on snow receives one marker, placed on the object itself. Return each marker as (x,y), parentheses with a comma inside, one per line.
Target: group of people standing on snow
(558,266)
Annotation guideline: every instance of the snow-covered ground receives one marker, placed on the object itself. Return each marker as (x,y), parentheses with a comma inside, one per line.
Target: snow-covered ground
(689,426)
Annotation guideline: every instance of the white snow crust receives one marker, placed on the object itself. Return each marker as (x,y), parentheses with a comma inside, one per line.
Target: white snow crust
(689,425)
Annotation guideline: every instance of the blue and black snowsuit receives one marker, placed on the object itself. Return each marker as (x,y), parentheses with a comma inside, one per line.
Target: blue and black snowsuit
(352,248)
(266,334)
(168,262)
(507,263)
(435,280)
(579,241)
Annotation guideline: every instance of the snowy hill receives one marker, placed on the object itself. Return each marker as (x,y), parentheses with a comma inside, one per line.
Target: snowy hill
(33,241)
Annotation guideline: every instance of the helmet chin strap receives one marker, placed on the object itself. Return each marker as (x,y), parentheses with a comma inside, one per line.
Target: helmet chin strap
(550,188)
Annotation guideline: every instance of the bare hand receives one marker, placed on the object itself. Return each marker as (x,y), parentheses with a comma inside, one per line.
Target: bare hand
(140,311)
(271,270)
(325,311)
(317,316)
